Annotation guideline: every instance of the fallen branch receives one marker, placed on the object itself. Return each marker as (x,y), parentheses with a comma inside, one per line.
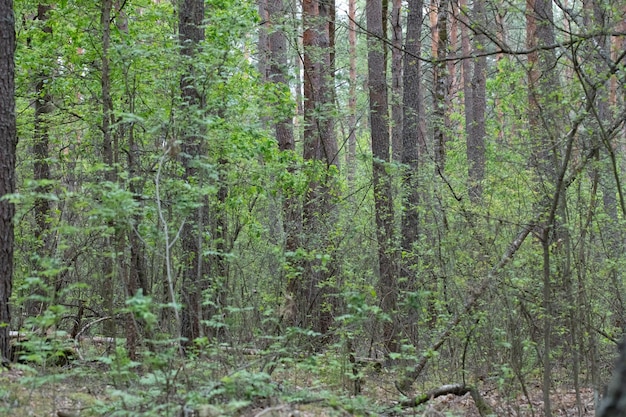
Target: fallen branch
(88,325)
(484,409)
(271,410)
(404,384)
(456,389)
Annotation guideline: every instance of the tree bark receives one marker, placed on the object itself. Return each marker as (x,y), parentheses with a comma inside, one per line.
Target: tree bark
(351,154)
(283,128)
(542,114)
(8,142)
(320,147)
(441,85)
(412,135)
(396,81)
(194,269)
(475,125)
(43,106)
(379,124)
(108,159)
(41,173)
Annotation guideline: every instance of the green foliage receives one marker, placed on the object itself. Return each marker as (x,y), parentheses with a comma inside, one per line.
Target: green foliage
(108,257)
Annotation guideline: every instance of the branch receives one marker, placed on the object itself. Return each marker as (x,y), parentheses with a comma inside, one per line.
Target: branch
(501,47)
(409,377)
(484,409)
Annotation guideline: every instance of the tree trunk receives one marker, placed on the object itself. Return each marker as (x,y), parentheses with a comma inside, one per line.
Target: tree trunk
(412,135)
(194,268)
(475,125)
(43,106)
(320,146)
(542,114)
(283,128)
(41,172)
(441,84)
(108,273)
(396,81)
(351,154)
(379,123)
(8,142)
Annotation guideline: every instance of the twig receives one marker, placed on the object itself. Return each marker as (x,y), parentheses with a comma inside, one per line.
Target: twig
(407,380)
(270,409)
(78,335)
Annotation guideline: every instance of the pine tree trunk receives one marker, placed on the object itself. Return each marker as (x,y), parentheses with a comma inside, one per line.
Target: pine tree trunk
(475,125)
(8,142)
(320,146)
(441,85)
(412,135)
(351,154)
(379,124)
(542,114)
(108,265)
(194,269)
(396,81)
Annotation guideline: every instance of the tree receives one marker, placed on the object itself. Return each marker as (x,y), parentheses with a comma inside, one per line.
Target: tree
(441,82)
(191,34)
(396,80)
(543,83)
(310,290)
(108,156)
(476,103)
(352,98)
(43,105)
(41,168)
(379,125)
(283,127)
(412,136)
(8,142)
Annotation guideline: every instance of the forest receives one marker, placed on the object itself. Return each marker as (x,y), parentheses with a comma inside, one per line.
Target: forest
(312,208)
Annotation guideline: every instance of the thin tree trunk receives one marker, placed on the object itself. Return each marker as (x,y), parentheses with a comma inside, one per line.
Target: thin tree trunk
(194,269)
(476,123)
(320,146)
(108,265)
(377,84)
(43,106)
(441,85)
(466,71)
(542,113)
(278,62)
(547,323)
(351,154)
(8,142)
(412,134)
(396,81)
(41,168)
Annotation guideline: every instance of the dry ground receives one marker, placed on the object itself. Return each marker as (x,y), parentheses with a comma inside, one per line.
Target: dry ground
(21,396)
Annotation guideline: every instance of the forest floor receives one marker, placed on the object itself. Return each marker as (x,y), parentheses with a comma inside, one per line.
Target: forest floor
(23,393)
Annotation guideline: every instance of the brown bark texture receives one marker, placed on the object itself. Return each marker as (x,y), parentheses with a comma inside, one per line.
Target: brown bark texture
(320,146)
(475,124)
(8,142)
(351,154)
(43,106)
(107,155)
(441,84)
(396,80)
(412,136)
(191,33)
(283,127)
(379,125)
